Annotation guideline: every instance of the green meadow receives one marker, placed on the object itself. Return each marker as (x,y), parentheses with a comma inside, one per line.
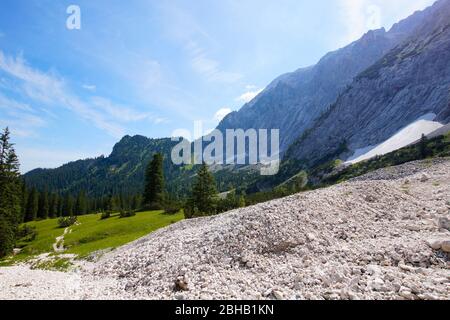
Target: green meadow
(91,234)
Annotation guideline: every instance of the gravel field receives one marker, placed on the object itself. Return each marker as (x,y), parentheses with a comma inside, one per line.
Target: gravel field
(381,236)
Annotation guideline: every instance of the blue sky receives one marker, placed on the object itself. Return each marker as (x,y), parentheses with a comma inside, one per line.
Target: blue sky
(150,67)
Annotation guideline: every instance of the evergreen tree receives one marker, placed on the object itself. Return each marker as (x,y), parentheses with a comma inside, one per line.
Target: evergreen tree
(111,205)
(67,208)
(43,206)
(10,194)
(80,204)
(24,201)
(32,206)
(53,206)
(204,193)
(154,192)
(423,147)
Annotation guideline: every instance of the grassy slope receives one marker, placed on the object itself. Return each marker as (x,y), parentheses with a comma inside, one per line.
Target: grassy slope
(93,234)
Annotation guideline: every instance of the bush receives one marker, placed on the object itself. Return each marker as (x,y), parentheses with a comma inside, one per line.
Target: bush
(105,215)
(172,209)
(127,214)
(65,222)
(7,239)
(27,233)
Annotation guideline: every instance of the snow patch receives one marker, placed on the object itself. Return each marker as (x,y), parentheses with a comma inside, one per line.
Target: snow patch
(410,134)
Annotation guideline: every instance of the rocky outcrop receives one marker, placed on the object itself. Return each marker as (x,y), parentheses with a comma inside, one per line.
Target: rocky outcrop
(295,100)
(410,81)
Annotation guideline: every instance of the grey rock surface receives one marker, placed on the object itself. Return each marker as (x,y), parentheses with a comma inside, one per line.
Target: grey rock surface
(325,244)
(412,80)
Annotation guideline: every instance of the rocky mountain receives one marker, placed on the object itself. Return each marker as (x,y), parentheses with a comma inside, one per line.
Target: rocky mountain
(354,98)
(121,172)
(295,100)
(410,81)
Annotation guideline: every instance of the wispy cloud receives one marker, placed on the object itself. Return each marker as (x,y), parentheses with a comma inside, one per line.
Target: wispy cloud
(52,90)
(210,68)
(249,95)
(123,113)
(89,87)
(221,113)
(19,117)
(359,16)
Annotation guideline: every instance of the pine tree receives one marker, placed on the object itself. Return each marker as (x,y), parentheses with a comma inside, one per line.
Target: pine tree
(32,206)
(154,192)
(423,147)
(53,206)
(24,201)
(10,194)
(204,193)
(80,204)
(43,206)
(67,208)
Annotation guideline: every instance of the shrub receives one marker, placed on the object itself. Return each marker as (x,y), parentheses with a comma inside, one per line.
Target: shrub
(7,239)
(105,215)
(27,233)
(65,222)
(172,209)
(127,214)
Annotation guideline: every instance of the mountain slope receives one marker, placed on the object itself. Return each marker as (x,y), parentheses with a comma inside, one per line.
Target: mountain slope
(292,102)
(412,80)
(380,236)
(121,172)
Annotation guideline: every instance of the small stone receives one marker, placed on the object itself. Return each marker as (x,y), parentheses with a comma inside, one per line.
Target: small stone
(445,246)
(434,244)
(406,293)
(377,284)
(277,295)
(444,223)
(311,236)
(183,271)
(405,267)
(424,178)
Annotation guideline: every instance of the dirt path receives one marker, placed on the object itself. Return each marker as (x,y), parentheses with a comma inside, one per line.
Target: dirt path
(58,246)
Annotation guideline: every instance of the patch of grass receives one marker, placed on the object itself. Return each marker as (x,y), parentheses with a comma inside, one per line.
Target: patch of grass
(55,264)
(92,234)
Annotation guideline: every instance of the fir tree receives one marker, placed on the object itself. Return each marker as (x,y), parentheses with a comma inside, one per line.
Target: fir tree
(53,206)
(43,206)
(10,194)
(67,208)
(423,147)
(32,206)
(80,204)
(204,193)
(154,192)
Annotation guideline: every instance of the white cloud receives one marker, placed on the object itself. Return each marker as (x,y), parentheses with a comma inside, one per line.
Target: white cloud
(359,16)
(208,67)
(249,95)
(19,117)
(123,113)
(89,87)
(52,90)
(222,113)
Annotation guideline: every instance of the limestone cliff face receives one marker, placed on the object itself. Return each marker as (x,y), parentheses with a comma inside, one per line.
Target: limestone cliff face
(412,80)
(295,100)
